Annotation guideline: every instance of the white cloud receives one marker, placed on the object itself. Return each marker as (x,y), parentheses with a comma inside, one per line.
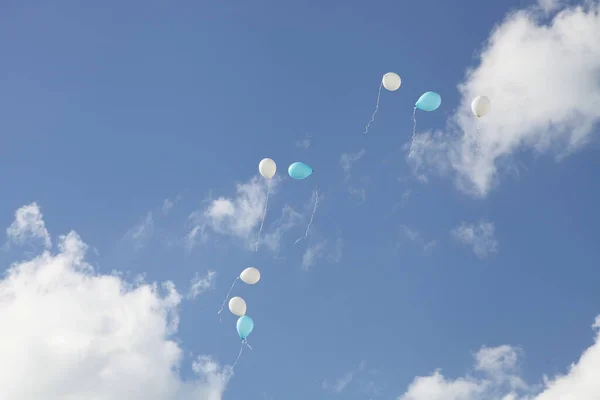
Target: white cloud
(410,233)
(480,236)
(168,204)
(201,284)
(304,143)
(542,80)
(237,216)
(288,220)
(70,333)
(499,379)
(313,253)
(416,237)
(348,159)
(322,251)
(141,233)
(340,384)
(29,224)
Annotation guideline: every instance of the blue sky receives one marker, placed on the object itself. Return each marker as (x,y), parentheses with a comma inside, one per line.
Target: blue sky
(141,126)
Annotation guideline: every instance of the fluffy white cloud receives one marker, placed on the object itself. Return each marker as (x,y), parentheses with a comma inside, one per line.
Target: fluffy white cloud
(237,216)
(201,284)
(139,235)
(544,86)
(480,236)
(499,379)
(69,333)
(29,224)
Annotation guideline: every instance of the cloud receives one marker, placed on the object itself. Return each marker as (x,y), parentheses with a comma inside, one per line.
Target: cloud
(141,233)
(312,253)
(304,143)
(237,216)
(288,220)
(544,86)
(497,378)
(480,236)
(348,159)
(168,204)
(410,234)
(71,333)
(321,250)
(416,237)
(29,224)
(201,284)
(340,384)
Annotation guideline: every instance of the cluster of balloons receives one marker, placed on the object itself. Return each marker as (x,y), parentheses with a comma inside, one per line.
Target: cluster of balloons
(238,307)
(429,101)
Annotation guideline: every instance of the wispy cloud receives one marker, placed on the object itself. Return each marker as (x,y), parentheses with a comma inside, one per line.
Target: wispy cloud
(341,383)
(312,253)
(237,216)
(168,204)
(322,251)
(288,220)
(347,160)
(304,143)
(141,233)
(417,238)
(480,236)
(29,224)
(201,284)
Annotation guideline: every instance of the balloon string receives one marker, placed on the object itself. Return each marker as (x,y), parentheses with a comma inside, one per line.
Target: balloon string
(244,342)
(376,108)
(312,217)
(227,297)
(477,145)
(414,132)
(264,215)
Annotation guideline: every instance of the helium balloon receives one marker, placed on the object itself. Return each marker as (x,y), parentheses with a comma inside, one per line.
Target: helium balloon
(391,81)
(429,101)
(299,170)
(480,106)
(250,276)
(267,168)
(245,326)
(237,306)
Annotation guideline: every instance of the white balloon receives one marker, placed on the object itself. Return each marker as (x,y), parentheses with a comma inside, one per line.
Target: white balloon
(391,81)
(237,306)
(480,106)
(250,276)
(267,168)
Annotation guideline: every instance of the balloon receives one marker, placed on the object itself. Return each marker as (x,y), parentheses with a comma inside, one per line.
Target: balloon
(391,81)
(250,275)
(429,101)
(237,306)
(299,170)
(480,106)
(267,168)
(245,326)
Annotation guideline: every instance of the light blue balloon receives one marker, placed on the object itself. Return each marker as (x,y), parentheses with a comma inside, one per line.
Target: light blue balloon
(245,326)
(299,170)
(429,101)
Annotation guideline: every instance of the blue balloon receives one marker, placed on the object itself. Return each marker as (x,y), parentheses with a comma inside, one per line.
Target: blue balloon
(245,326)
(429,101)
(299,170)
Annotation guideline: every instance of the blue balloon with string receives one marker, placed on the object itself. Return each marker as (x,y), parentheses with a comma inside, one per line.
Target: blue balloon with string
(429,101)
(245,326)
